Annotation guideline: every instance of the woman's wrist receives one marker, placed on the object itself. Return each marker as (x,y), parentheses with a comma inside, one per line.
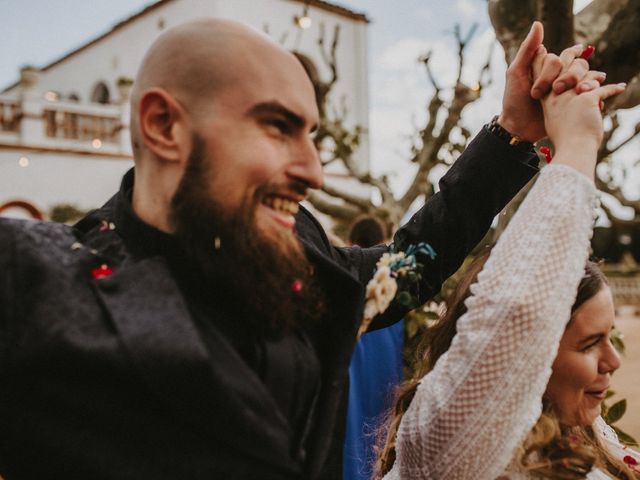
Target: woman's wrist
(579,155)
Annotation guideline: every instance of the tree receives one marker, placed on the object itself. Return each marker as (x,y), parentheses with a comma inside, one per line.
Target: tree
(609,25)
(433,144)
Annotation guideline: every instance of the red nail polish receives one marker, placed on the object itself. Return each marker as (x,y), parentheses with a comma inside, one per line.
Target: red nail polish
(296,286)
(547,153)
(587,52)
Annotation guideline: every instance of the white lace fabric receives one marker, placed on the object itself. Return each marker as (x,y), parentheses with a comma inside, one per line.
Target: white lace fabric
(484,395)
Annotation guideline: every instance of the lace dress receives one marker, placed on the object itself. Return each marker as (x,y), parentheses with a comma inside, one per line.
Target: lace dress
(484,395)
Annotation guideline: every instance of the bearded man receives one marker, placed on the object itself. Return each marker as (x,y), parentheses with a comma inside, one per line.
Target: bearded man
(184,330)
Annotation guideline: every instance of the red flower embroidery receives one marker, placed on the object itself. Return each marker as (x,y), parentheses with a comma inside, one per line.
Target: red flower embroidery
(296,286)
(101,272)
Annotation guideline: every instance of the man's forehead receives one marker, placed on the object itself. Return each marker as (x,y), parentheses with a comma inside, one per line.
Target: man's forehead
(268,96)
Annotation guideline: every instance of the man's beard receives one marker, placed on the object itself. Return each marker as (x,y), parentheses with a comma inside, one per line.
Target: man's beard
(266,280)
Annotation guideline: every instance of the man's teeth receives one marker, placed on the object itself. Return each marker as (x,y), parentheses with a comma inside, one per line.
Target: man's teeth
(282,204)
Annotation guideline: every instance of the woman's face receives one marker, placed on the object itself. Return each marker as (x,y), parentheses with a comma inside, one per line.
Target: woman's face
(586,359)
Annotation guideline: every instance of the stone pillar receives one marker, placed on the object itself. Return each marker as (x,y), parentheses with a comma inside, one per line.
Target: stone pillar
(32,125)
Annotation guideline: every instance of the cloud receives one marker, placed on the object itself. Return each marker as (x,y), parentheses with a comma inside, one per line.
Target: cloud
(468,8)
(403,91)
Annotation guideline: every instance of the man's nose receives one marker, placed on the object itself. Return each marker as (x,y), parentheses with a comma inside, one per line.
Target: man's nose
(306,165)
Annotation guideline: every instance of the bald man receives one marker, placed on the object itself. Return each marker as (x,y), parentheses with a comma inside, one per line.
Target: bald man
(200,325)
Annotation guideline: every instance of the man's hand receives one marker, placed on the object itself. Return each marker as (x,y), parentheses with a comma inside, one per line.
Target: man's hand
(521,112)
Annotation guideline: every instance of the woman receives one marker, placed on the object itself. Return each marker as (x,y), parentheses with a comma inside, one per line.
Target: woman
(577,386)
(471,416)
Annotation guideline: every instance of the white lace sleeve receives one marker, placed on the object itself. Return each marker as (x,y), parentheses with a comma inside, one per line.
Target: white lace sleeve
(483,396)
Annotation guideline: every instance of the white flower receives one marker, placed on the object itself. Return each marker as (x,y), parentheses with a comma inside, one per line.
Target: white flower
(384,293)
(380,292)
(387,258)
(370,309)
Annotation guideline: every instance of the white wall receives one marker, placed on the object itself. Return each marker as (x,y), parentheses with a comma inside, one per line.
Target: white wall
(55,178)
(120,53)
(50,179)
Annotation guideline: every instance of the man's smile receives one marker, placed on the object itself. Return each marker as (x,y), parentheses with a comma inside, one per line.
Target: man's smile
(281,209)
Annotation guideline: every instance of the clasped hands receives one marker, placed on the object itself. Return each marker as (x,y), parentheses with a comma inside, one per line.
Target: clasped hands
(554,95)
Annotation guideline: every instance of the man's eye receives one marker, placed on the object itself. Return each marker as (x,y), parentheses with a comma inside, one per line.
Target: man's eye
(282,126)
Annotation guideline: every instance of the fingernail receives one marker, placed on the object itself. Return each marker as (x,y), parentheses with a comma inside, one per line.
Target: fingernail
(600,105)
(546,151)
(622,84)
(559,87)
(536,93)
(587,52)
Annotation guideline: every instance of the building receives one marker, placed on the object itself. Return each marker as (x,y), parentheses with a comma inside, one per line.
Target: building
(64,136)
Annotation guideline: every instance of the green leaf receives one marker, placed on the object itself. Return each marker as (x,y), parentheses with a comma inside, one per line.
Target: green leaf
(610,393)
(625,438)
(616,411)
(617,339)
(404,299)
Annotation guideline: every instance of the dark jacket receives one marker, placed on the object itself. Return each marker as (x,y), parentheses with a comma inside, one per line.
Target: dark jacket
(110,378)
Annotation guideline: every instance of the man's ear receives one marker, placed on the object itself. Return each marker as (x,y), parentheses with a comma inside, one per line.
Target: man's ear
(163,125)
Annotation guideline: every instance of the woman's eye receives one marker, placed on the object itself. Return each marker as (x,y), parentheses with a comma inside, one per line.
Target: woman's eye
(588,347)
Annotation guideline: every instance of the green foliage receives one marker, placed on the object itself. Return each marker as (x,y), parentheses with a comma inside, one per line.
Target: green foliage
(66,213)
(616,411)
(124,81)
(612,414)
(617,339)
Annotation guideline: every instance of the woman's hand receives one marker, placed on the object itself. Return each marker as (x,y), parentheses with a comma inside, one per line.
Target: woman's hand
(574,124)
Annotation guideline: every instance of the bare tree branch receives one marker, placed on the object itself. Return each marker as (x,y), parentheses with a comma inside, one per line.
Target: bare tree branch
(362,203)
(616,193)
(629,98)
(425,60)
(617,47)
(329,57)
(511,20)
(342,212)
(557,18)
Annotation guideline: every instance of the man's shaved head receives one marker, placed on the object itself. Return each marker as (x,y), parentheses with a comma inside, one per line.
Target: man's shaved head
(195,60)
(250,106)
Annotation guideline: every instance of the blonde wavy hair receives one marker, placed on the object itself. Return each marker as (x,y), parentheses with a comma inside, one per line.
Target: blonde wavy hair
(550,449)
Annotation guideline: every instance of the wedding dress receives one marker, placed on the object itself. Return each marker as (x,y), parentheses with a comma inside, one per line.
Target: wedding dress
(470,413)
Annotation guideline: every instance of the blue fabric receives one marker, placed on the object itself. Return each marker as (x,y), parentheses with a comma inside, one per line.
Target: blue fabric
(375,371)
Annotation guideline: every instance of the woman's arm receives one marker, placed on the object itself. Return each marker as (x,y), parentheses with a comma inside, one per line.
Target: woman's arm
(476,406)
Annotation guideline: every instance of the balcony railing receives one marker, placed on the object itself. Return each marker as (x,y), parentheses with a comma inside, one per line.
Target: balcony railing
(9,116)
(32,121)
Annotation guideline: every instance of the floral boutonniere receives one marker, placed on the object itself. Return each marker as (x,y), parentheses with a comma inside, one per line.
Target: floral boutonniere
(397,277)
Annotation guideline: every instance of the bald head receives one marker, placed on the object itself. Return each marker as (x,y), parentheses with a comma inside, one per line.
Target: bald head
(195,60)
(245,100)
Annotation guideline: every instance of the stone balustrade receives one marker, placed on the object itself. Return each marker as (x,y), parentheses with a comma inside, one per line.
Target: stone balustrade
(625,289)
(33,120)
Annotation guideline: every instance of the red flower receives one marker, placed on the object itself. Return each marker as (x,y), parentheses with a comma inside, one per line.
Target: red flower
(296,286)
(629,460)
(101,272)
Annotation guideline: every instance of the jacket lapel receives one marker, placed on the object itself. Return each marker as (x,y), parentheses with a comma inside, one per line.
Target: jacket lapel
(335,340)
(214,391)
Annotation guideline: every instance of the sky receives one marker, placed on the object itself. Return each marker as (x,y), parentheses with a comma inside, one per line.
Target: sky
(36,32)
